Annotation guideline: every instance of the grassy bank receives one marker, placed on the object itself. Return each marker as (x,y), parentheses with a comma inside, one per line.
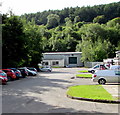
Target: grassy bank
(83,71)
(84,75)
(89,91)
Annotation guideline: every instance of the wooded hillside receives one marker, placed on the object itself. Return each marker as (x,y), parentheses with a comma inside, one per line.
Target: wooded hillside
(87,14)
(95,31)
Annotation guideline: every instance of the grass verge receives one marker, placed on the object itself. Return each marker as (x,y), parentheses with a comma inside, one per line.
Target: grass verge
(90,91)
(84,75)
(83,71)
(56,67)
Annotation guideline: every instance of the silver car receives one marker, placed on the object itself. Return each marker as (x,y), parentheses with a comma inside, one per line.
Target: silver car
(46,69)
(107,76)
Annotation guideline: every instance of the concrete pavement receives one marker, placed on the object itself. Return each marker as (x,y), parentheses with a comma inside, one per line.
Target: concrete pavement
(113,89)
(46,93)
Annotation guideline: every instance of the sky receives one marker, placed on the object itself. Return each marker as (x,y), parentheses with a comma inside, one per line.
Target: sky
(20,7)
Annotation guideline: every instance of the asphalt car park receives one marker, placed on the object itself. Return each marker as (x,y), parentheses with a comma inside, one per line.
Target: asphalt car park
(46,93)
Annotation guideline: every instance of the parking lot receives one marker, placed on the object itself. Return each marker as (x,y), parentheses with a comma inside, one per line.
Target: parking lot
(46,93)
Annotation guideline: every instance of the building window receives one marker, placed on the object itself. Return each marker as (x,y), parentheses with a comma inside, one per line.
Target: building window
(55,63)
(45,63)
(72,60)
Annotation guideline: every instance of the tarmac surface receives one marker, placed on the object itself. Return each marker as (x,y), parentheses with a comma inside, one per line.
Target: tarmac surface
(113,89)
(46,93)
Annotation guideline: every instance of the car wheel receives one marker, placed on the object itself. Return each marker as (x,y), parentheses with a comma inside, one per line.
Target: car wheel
(92,71)
(9,78)
(49,70)
(101,81)
(5,83)
(24,76)
(17,78)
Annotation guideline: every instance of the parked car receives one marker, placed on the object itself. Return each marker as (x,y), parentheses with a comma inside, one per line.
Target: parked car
(31,73)
(32,68)
(17,72)
(3,81)
(46,69)
(10,74)
(23,71)
(3,77)
(2,73)
(113,67)
(98,67)
(107,76)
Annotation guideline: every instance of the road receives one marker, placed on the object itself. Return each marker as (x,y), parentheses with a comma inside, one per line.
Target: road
(46,93)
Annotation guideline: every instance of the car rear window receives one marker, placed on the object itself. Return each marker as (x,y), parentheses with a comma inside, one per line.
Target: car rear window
(12,71)
(5,70)
(96,67)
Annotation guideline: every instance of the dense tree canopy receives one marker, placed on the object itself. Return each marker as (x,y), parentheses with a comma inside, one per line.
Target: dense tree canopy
(88,29)
(13,42)
(102,12)
(21,44)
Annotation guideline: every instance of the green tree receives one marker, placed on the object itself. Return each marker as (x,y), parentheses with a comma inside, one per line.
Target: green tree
(53,20)
(13,43)
(118,47)
(114,22)
(113,29)
(93,32)
(34,43)
(94,51)
(68,22)
(96,42)
(99,19)
(76,19)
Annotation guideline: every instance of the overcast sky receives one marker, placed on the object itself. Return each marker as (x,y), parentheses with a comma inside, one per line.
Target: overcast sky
(32,6)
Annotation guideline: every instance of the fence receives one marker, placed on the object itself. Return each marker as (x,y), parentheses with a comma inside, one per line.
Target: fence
(91,64)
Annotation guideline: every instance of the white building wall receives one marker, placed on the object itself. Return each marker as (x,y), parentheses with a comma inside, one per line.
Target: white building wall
(63,58)
(50,62)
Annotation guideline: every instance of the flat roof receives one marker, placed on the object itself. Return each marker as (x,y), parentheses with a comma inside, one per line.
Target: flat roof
(65,53)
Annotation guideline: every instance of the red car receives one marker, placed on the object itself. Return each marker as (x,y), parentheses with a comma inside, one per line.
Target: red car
(2,80)
(10,74)
(3,77)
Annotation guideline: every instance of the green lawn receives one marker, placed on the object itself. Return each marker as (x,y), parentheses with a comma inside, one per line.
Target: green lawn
(83,71)
(89,91)
(84,75)
(56,67)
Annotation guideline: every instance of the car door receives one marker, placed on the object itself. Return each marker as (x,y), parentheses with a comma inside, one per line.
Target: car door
(110,76)
(117,75)
(43,69)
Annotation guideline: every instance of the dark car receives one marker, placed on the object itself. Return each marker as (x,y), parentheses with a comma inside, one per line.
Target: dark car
(17,72)
(23,71)
(10,74)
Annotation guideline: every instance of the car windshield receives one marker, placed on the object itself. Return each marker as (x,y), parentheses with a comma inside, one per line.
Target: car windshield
(96,67)
(5,70)
(28,70)
(3,74)
(12,71)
